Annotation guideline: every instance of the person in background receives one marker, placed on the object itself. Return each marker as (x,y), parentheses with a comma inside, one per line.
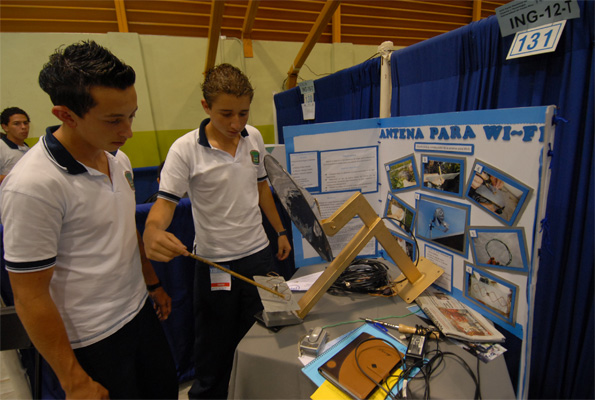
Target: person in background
(70,238)
(15,123)
(220,165)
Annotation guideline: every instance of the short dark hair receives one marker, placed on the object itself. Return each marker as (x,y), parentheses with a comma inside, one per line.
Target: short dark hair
(9,112)
(72,71)
(225,78)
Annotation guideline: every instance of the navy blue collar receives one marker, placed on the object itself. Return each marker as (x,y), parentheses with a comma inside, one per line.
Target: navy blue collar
(10,143)
(202,133)
(59,153)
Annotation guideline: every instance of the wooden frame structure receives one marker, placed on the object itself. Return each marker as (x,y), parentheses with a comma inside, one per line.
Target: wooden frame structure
(415,279)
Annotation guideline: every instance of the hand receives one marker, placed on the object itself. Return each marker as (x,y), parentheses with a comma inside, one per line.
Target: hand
(88,389)
(477,181)
(161,245)
(161,303)
(496,183)
(284,247)
(437,181)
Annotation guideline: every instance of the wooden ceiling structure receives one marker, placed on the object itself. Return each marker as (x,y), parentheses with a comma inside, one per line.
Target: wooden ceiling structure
(362,22)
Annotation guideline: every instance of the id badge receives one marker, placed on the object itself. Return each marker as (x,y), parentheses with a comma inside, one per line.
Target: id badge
(220,280)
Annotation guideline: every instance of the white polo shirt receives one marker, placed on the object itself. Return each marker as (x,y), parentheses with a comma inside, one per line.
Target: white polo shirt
(10,153)
(223,191)
(58,213)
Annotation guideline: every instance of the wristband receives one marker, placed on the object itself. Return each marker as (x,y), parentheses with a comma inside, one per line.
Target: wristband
(282,233)
(153,287)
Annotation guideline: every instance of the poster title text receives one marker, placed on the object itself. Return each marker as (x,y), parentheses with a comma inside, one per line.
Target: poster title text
(527,133)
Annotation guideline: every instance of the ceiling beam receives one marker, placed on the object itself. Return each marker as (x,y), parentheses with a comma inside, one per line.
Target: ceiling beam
(336,25)
(321,22)
(214,32)
(476,10)
(121,15)
(247,27)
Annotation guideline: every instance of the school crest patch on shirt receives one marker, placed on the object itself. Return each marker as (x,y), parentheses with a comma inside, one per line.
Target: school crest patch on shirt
(128,175)
(255,154)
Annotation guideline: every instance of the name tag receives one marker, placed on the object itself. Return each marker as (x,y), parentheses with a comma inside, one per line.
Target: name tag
(220,280)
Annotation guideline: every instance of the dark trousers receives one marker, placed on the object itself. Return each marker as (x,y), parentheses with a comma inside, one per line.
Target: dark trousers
(222,320)
(135,362)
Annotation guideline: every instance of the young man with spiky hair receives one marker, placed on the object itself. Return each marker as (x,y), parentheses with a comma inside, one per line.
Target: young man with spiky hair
(71,245)
(220,166)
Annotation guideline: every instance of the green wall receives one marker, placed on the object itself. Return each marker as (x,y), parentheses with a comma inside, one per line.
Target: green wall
(169,74)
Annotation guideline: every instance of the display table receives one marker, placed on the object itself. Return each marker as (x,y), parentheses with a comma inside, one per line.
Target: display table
(266,364)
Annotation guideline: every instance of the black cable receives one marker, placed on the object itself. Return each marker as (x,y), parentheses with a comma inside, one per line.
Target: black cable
(314,73)
(363,276)
(285,80)
(424,366)
(378,384)
(469,371)
(427,367)
(414,240)
(372,56)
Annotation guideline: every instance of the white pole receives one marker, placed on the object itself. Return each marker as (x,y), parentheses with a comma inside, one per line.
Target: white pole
(385,49)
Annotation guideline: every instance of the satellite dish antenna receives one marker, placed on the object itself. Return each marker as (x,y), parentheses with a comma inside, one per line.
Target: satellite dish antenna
(300,206)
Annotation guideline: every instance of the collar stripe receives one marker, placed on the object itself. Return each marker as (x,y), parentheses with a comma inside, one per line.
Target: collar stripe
(59,154)
(202,133)
(10,143)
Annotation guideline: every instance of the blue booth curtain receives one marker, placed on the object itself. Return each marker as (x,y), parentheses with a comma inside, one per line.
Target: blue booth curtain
(177,277)
(467,69)
(353,93)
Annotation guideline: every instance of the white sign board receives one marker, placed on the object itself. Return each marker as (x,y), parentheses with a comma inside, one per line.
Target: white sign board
(536,41)
(521,15)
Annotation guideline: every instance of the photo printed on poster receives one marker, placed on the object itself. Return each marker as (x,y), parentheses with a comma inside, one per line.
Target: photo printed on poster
(442,222)
(402,174)
(442,174)
(399,213)
(499,248)
(496,192)
(492,293)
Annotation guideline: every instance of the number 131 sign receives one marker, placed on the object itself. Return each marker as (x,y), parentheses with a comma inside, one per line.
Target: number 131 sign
(543,39)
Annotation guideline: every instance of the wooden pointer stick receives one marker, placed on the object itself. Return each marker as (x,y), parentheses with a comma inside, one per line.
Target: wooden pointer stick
(242,277)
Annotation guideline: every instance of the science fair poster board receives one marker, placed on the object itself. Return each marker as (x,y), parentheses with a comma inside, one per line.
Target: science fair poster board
(469,187)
